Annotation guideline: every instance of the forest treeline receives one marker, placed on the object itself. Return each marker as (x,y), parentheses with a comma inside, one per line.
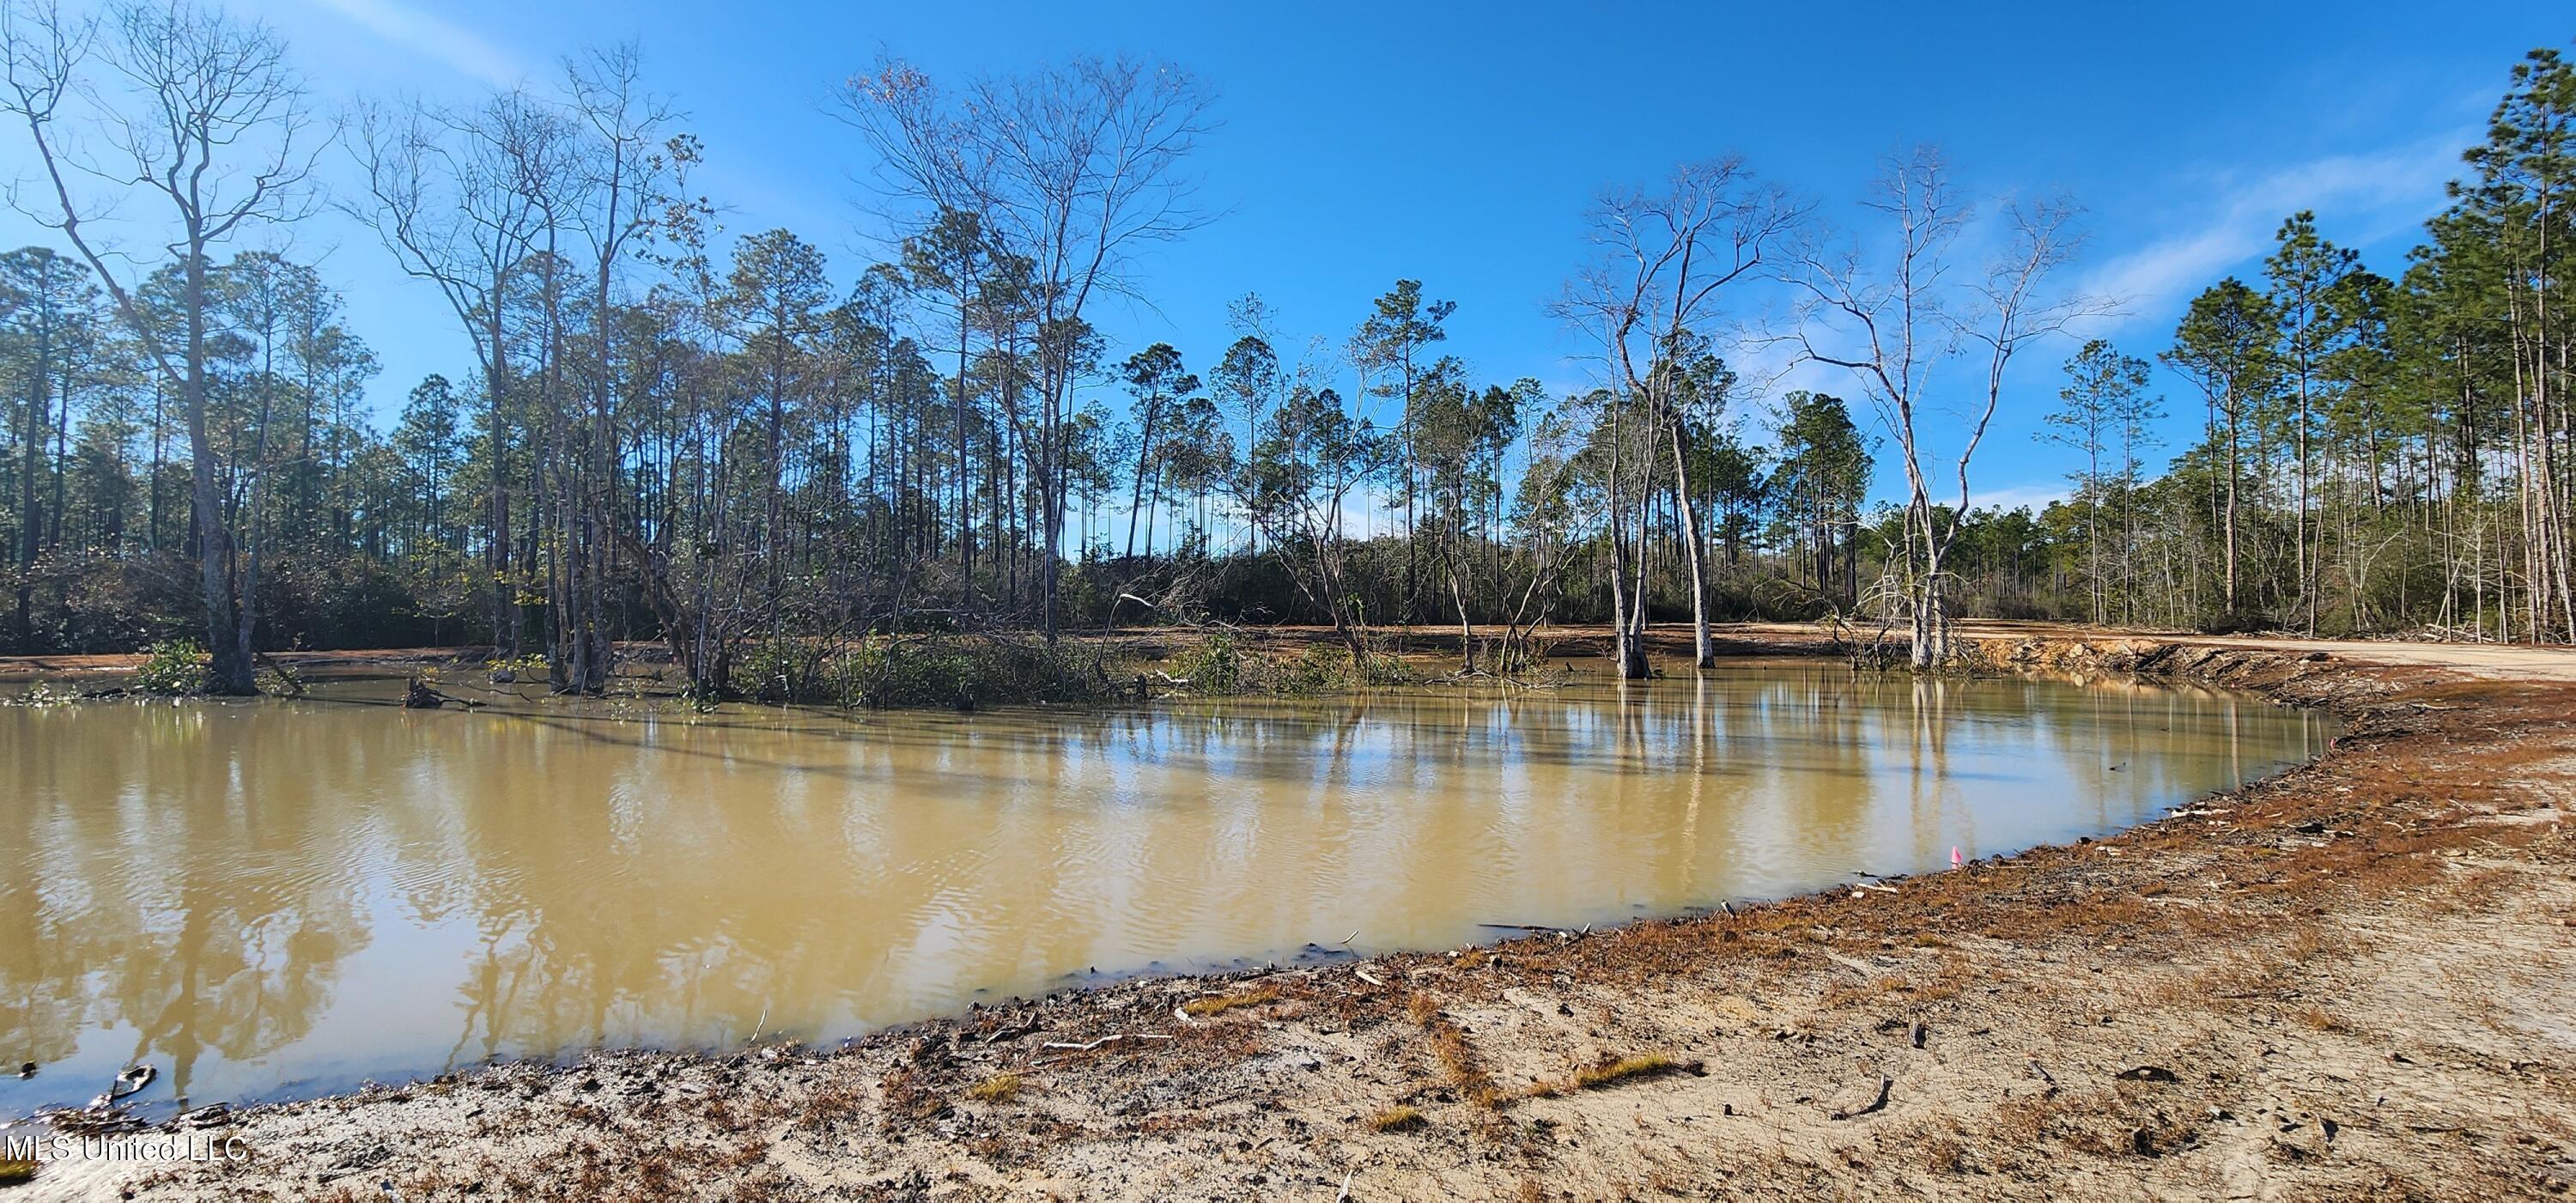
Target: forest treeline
(763,462)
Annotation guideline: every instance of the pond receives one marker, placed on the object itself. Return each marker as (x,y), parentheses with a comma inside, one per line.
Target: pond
(270,898)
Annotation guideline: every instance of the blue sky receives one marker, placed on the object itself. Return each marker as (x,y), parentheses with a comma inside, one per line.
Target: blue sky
(1458,144)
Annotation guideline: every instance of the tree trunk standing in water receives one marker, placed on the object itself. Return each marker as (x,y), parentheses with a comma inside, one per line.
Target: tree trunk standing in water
(1664,257)
(1458,599)
(1627,603)
(1694,548)
(200,86)
(263,286)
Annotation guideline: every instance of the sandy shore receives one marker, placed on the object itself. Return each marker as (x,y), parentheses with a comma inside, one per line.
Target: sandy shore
(2356,979)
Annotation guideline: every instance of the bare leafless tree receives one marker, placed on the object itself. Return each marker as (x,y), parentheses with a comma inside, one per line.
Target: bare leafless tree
(1893,325)
(1664,255)
(201,114)
(461,199)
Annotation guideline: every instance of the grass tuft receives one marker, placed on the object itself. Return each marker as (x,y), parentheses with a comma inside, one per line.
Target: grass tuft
(1457,1057)
(1398,1119)
(1608,1073)
(998,1088)
(1202,1008)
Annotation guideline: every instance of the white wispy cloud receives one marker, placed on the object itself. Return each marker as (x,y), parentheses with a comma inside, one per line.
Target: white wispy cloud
(433,37)
(2361,197)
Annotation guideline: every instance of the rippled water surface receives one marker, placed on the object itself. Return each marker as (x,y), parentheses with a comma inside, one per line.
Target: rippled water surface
(268,897)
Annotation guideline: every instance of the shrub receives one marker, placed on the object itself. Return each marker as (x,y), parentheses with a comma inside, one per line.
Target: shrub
(1214,665)
(1321,668)
(958,672)
(172,667)
(777,671)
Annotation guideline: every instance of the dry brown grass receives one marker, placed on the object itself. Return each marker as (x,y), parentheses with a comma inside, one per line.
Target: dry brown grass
(1626,1067)
(910,1099)
(1205,1008)
(1457,1057)
(1945,1154)
(750,1152)
(2320,1019)
(1611,1073)
(832,1102)
(1842,995)
(1399,1118)
(1608,1072)
(1001,1087)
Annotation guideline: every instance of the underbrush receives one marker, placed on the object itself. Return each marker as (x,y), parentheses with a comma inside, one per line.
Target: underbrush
(964,672)
(1220,663)
(172,667)
(961,672)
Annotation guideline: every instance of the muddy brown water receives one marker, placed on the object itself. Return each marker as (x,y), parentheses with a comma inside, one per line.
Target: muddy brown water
(271,898)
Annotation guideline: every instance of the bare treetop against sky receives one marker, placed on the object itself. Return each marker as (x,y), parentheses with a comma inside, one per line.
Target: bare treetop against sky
(1357,147)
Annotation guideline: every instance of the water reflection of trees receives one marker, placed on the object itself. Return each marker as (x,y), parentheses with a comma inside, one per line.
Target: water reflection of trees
(172,872)
(553,880)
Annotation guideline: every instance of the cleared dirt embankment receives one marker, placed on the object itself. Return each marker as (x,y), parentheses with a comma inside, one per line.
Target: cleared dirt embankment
(2355,979)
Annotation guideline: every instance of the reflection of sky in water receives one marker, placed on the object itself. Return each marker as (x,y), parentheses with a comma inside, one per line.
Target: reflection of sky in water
(267,898)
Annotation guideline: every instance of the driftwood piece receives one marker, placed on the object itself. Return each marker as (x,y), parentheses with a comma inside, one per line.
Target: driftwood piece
(1112,1038)
(131,1081)
(419,694)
